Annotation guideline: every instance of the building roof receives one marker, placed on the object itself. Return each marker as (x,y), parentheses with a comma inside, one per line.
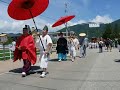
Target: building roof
(2,35)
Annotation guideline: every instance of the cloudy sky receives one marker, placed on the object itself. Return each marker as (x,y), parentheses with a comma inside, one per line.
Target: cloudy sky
(104,11)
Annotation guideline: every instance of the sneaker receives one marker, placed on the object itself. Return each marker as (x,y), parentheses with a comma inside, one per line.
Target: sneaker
(80,56)
(43,74)
(23,74)
(64,59)
(59,60)
(72,60)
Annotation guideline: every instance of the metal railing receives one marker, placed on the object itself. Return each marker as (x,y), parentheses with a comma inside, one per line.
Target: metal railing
(9,54)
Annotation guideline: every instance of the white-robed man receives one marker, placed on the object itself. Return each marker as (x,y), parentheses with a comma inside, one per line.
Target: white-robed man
(73,47)
(44,51)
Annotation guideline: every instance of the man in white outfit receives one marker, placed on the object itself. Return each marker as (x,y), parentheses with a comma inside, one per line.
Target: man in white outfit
(44,54)
(73,46)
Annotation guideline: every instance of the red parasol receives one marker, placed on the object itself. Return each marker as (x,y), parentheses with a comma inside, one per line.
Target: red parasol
(23,9)
(26,9)
(63,20)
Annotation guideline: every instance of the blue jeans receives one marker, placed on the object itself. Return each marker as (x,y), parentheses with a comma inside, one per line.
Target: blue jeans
(61,56)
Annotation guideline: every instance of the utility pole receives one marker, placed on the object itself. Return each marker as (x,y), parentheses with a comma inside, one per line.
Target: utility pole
(66,6)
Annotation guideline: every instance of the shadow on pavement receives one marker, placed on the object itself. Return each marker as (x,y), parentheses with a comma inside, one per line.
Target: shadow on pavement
(117,60)
(56,60)
(17,70)
(34,69)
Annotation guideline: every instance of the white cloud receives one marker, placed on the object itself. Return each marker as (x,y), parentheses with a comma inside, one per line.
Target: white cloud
(16,26)
(79,22)
(102,19)
(10,27)
(98,19)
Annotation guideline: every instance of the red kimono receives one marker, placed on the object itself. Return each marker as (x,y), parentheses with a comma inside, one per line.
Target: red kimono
(28,50)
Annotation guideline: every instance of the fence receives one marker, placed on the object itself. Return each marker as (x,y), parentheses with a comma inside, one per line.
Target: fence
(5,54)
(8,54)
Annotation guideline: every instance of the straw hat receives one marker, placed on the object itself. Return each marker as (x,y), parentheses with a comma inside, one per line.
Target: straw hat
(82,34)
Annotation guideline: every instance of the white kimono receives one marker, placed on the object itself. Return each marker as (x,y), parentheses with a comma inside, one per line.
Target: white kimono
(43,58)
(72,46)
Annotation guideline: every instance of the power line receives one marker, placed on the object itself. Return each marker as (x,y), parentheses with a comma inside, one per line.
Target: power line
(66,8)
(48,17)
(4,2)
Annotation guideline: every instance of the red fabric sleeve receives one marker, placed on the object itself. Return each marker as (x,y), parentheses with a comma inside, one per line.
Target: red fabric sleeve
(28,46)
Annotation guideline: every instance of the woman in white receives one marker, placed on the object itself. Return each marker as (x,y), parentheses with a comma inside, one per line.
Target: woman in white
(73,46)
(44,51)
(13,46)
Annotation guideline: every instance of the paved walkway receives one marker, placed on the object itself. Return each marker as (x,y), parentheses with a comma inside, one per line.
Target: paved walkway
(98,71)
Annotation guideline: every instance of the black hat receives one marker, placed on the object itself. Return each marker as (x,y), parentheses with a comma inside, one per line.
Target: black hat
(45,28)
(60,33)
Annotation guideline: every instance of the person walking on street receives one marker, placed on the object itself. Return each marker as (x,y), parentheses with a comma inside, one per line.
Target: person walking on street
(13,45)
(44,54)
(100,46)
(73,47)
(62,47)
(83,45)
(25,50)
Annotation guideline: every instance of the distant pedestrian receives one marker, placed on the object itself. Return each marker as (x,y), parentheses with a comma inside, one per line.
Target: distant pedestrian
(119,44)
(100,46)
(107,44)
(13,45)
(83,45)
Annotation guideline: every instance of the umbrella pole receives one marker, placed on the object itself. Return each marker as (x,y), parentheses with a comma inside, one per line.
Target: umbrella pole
(37,29)
(66,31)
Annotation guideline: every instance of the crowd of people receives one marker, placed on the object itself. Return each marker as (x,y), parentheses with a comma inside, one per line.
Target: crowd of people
(27,44)
(108,44)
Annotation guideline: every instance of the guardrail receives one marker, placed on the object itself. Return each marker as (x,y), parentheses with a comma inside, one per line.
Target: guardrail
(9,54)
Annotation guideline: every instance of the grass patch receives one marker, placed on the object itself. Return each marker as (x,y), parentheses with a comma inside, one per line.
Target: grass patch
(7,55)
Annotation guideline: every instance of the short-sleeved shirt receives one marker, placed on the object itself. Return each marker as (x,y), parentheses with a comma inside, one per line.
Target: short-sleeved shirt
(74,43)
(13,46)
(45,40)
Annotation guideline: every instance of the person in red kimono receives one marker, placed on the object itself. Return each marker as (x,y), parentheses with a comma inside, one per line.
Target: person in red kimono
(25,50)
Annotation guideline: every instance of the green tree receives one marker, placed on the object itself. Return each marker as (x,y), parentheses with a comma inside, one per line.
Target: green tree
(116,31)
(108,32)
